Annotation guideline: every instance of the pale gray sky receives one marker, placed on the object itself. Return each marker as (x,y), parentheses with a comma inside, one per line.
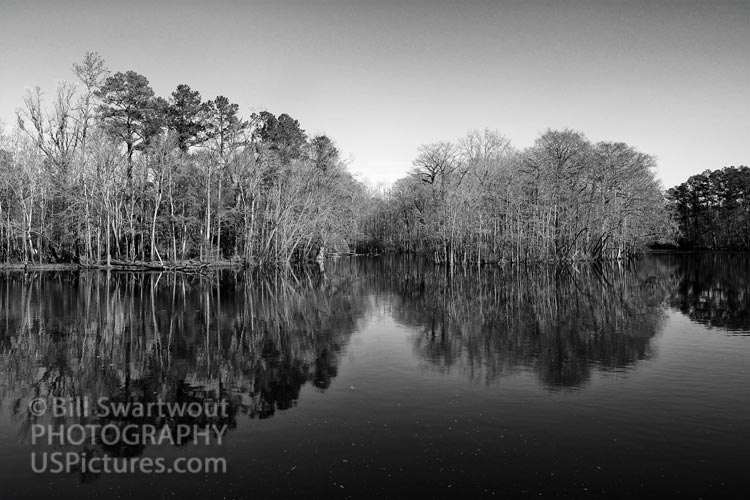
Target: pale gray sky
(669,77)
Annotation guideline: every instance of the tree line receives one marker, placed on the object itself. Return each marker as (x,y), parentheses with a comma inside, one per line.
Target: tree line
(109,171)
(481,200)
(712,209)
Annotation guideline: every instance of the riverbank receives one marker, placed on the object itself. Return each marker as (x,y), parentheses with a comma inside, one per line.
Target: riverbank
(196,266)
(119,265)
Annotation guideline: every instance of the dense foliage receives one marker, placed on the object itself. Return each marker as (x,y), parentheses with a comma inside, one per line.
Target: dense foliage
(713,209)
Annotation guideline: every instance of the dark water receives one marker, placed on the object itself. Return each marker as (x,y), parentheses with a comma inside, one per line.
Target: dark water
(388,378)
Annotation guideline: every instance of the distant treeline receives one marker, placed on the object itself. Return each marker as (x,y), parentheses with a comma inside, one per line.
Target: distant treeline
(564,198)
(109,172)
(713,209)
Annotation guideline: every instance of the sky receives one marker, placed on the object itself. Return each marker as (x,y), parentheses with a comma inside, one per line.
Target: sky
(671,78)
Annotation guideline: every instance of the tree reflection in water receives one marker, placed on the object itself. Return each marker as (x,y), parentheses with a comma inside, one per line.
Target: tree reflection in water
(251,340)
(256,340)
(560,322)
(713,289)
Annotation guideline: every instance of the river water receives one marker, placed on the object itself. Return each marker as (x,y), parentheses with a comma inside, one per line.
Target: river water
(383,378)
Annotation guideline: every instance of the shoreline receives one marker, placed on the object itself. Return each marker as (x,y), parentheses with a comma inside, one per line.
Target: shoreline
(193,266)
(136,266)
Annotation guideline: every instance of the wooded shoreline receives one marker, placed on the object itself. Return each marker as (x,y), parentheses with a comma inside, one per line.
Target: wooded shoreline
(109,175)
(202,267)
(117,265)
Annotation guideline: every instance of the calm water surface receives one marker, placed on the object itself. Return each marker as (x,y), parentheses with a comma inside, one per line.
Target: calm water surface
(388,378)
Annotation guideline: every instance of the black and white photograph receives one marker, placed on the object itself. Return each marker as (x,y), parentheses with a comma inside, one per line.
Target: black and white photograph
(383,249)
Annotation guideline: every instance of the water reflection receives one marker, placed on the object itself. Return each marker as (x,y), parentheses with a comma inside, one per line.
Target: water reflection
(560,323)
(255,340)
(249,340)
(712,289)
